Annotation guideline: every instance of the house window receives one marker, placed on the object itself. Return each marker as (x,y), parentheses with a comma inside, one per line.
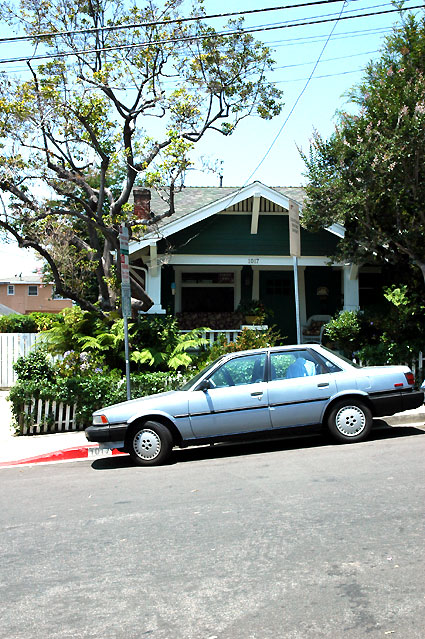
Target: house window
(207,291)
(33,289)
(11,289)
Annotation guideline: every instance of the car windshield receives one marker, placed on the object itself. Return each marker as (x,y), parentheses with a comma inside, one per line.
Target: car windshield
(341,356)
(198,376)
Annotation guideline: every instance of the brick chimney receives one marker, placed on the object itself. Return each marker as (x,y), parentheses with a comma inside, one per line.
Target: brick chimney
(142,203)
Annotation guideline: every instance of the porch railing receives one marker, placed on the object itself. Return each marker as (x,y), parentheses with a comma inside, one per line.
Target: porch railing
(230,335)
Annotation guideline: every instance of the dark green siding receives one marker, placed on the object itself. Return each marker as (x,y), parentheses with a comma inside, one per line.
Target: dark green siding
(231,235)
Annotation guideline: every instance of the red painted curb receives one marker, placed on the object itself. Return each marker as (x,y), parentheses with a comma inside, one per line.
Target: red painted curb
(80,452)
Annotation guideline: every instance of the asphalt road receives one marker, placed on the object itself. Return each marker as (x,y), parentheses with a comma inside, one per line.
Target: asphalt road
(288,539)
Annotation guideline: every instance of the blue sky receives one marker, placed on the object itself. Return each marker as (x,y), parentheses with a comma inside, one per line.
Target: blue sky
(354,42)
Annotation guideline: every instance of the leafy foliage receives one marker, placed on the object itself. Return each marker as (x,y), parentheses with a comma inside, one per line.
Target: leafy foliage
(90,393)
(166,347)
(392,335)
(35,367)
(128,111)
(246,340)
(344,328)
(16,323)
(32,323)
(370,174)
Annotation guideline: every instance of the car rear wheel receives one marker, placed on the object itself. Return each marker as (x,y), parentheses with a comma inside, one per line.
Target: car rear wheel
(150,444)
(350,421)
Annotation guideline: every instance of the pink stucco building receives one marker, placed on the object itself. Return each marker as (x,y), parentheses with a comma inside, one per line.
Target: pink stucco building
(26,294)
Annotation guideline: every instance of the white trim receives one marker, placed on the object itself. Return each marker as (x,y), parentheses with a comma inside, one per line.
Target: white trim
(12,286)
(255,214)
(256,190)
(259,261)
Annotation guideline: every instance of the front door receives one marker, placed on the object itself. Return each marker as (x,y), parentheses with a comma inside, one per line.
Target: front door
(237,401)
(277,294)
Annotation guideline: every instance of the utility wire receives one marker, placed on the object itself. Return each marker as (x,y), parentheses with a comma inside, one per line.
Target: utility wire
(137,25)
(194,38)
(301,93)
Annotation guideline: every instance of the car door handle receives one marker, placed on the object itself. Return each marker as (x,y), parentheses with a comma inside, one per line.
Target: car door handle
(257,394)
(322,384)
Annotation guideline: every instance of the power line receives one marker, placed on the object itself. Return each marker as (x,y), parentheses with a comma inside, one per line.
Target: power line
(340,17)
(137,25)
(312,39)
(201,37)
(342,57)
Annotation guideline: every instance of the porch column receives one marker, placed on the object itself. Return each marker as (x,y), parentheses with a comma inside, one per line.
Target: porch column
(255,283)
(350,287)
(301,289)
(153,289)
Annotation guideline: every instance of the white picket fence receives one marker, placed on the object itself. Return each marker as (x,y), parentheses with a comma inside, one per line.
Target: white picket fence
(12,346)
(44,416)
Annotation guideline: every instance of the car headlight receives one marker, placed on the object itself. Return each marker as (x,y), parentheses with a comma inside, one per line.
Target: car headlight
(100,420)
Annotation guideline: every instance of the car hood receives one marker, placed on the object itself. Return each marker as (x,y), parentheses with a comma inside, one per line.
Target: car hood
(169,402)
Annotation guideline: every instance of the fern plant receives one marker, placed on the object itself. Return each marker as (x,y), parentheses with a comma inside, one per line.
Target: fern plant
(174,353)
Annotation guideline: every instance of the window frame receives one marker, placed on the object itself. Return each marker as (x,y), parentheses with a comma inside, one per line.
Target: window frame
(33,286)
(11,286)
(314,356)
(240,358)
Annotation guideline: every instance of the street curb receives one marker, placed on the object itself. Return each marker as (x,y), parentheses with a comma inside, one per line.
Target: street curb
(67,454)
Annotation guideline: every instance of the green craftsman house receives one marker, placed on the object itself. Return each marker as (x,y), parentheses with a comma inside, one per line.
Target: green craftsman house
(227,245)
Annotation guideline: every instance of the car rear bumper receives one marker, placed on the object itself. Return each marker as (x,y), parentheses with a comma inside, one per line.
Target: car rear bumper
(106,433)
(391,403)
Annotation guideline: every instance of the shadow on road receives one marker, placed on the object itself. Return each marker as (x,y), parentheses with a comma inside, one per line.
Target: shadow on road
(299,438)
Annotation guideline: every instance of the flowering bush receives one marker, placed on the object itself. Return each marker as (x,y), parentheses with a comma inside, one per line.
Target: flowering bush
(84,364)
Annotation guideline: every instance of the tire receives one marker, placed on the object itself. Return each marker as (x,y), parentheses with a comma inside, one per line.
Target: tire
(349,421)
(150,444)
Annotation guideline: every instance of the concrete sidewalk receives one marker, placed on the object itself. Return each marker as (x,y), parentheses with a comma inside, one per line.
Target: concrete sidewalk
(41,448)
(73,445)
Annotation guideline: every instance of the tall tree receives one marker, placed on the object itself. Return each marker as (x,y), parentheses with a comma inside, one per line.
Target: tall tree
(126,108)
(370,174)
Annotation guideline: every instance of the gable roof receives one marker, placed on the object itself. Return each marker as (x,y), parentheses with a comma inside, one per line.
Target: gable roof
(21,279)
(194,204)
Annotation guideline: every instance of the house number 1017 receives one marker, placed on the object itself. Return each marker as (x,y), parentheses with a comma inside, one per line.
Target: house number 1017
(253,260)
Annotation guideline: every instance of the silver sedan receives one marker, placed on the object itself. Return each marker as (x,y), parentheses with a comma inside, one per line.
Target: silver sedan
(259,391)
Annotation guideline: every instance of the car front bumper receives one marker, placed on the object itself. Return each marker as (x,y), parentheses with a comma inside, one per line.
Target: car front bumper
(106,433)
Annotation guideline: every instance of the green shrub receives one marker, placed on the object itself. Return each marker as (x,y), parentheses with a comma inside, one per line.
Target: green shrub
(31,323)
(16,323)
(90,393)
(45,321)
(344,329)
(34,367)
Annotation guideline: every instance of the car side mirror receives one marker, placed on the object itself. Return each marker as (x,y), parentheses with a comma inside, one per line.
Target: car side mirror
(204,385)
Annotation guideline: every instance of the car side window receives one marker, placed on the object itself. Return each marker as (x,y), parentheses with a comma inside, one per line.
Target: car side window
(330,366)
(248,369)
(291,364)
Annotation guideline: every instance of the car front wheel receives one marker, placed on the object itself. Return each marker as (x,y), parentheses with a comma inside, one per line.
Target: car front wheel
(350,421)
(150,444)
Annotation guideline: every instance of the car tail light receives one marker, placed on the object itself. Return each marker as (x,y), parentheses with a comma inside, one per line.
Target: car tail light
(98,420)
(410,378)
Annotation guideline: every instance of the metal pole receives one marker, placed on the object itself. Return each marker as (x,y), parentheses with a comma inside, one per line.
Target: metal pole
(127,357)
(297,299)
